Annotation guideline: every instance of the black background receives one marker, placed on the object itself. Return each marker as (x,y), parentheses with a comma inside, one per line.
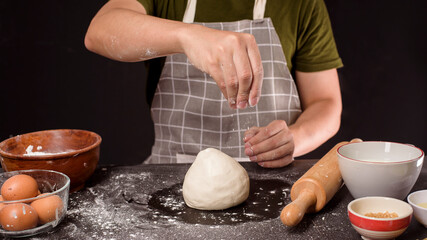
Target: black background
(49,80)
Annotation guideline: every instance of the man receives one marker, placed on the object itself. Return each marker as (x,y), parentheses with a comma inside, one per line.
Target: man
(230,76)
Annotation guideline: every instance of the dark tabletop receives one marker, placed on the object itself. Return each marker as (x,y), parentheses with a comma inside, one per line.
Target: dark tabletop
(145,202)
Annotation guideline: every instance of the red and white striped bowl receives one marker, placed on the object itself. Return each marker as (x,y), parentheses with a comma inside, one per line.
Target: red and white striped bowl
(379,228)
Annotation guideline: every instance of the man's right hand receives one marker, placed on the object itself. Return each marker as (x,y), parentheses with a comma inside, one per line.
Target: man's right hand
(231,59)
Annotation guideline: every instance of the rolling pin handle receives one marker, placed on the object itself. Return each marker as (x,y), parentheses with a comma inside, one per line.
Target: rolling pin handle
(293,213)
(323,178)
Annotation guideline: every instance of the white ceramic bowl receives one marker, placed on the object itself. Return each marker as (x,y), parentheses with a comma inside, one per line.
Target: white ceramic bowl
(380,168)
(379,228)
(420,213)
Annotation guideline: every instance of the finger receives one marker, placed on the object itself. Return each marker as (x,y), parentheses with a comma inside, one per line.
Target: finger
(266,132)
(265,150)
(230,79)
(257,71)
(277,163)
(274,153)
(250,133)
(216,73)
(244,75)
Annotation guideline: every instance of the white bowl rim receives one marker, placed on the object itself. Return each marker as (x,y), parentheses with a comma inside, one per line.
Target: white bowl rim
(374,162)
(414,204)
(380,219)
(67,184)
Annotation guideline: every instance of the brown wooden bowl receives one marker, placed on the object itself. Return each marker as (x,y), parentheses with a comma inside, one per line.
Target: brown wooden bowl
(70,151)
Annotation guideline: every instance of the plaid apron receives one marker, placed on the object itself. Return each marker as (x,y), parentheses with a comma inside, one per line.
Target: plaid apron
(190,113)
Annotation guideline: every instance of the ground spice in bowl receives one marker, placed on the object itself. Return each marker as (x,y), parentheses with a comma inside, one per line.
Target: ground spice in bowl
(385,214)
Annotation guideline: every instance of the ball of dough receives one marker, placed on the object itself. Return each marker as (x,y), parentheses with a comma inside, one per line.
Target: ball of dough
(215,181)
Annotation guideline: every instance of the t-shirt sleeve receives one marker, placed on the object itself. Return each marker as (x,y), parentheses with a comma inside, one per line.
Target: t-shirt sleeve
(148,5)
(168,9)
(316,49)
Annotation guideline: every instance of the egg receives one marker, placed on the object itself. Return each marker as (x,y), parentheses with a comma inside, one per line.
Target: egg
(49,208)
(1,204)
(20,186)
(18,216)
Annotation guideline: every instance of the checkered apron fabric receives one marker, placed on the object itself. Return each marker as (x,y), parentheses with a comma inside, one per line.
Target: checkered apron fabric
(190,113)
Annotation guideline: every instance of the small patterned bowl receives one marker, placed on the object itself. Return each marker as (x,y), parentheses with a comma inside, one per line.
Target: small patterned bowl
(379,227)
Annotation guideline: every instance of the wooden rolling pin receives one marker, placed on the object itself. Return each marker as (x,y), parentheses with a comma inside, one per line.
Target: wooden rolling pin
(315,188)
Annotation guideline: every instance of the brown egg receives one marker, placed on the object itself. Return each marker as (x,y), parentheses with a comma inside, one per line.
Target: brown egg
(19,187)
(1,204)
(49,208)
(18,216)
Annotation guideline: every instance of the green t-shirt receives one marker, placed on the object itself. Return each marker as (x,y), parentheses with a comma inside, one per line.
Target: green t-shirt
(303,27)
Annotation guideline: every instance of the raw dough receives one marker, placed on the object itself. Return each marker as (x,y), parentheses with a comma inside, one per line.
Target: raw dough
(215,181)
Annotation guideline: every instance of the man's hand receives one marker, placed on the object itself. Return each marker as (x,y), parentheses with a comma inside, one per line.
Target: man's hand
(231,59)
(271,146)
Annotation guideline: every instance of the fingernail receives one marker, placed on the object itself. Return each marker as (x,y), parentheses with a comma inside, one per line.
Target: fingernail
(248,145)
(253,101)
(242,104)
(253,158)
(246,138)
(249,152)
(232,102)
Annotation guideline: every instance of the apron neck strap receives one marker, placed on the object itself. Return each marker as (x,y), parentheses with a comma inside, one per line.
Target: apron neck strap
(190,10)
